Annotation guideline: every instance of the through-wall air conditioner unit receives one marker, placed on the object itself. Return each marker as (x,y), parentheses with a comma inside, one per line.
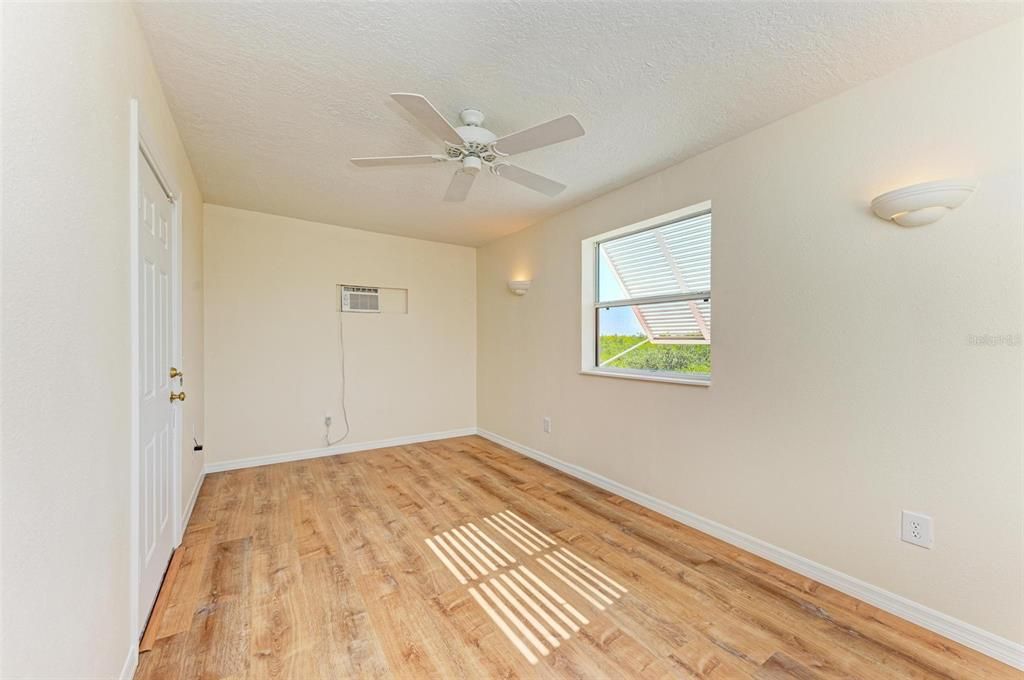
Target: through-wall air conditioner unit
(360,299)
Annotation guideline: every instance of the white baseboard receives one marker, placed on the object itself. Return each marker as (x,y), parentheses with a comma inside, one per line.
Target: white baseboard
(131,662)
(335,450)
(969,635)
(187,515)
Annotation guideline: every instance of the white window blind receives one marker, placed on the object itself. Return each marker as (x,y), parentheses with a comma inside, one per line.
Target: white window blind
(664,275)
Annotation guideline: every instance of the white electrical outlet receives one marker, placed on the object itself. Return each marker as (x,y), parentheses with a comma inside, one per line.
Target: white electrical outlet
(547,424)
(917,529)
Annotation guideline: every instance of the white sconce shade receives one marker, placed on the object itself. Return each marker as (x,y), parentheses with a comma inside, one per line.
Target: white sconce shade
(925,203)
(519,287)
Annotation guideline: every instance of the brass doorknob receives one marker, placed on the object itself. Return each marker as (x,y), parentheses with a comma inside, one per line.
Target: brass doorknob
(180,396)
(175,373)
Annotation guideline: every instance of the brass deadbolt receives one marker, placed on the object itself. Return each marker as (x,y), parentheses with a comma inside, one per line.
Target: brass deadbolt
(175,373)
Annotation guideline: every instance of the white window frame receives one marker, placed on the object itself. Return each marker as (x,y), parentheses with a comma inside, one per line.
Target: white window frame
(589,301)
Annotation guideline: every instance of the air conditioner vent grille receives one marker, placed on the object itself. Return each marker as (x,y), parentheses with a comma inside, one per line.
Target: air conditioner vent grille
(360,299)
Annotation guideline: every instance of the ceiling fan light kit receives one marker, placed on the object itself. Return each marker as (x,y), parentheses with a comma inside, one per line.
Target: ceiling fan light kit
(476,147)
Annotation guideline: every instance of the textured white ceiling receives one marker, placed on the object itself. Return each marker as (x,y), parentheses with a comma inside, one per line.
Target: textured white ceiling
(272,99)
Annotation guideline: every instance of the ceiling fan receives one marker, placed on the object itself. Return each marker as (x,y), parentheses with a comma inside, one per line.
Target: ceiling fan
(474,147)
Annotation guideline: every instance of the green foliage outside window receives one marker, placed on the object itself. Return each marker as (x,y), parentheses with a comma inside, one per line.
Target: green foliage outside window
(651,357)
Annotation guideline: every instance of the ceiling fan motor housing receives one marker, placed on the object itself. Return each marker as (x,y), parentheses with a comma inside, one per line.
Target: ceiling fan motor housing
(476,143)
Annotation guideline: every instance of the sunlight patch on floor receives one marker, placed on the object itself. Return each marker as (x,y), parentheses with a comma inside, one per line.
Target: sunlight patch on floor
(528,610)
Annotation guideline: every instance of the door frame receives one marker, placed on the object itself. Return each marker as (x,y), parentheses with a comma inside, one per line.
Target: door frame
(142,140)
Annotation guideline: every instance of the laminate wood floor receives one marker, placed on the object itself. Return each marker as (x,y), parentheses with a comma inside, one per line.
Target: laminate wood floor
(462,559)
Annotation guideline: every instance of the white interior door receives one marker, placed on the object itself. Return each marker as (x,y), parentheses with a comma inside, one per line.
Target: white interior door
(156,409)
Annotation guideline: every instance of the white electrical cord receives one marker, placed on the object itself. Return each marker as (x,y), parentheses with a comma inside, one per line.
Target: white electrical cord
(341,384)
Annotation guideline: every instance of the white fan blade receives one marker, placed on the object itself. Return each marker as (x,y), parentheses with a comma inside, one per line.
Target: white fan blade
(551,132)
(529,179)
(397,160)
(424,112)
(459,187)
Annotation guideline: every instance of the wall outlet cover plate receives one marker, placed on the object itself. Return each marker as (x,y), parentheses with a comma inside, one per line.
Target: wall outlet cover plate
(917,529)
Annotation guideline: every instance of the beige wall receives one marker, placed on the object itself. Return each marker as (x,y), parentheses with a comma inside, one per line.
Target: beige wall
(272,335)
(69,72)
(845,386)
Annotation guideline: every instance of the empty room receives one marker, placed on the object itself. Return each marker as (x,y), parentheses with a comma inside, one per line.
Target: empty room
(571,339)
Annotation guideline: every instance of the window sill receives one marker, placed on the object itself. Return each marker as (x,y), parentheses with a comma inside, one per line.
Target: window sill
(650,377)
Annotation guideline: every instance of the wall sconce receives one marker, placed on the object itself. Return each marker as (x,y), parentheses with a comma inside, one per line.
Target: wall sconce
(925,203)
(519,287)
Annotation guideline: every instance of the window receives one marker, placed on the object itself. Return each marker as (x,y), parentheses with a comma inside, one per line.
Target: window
(647,299)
